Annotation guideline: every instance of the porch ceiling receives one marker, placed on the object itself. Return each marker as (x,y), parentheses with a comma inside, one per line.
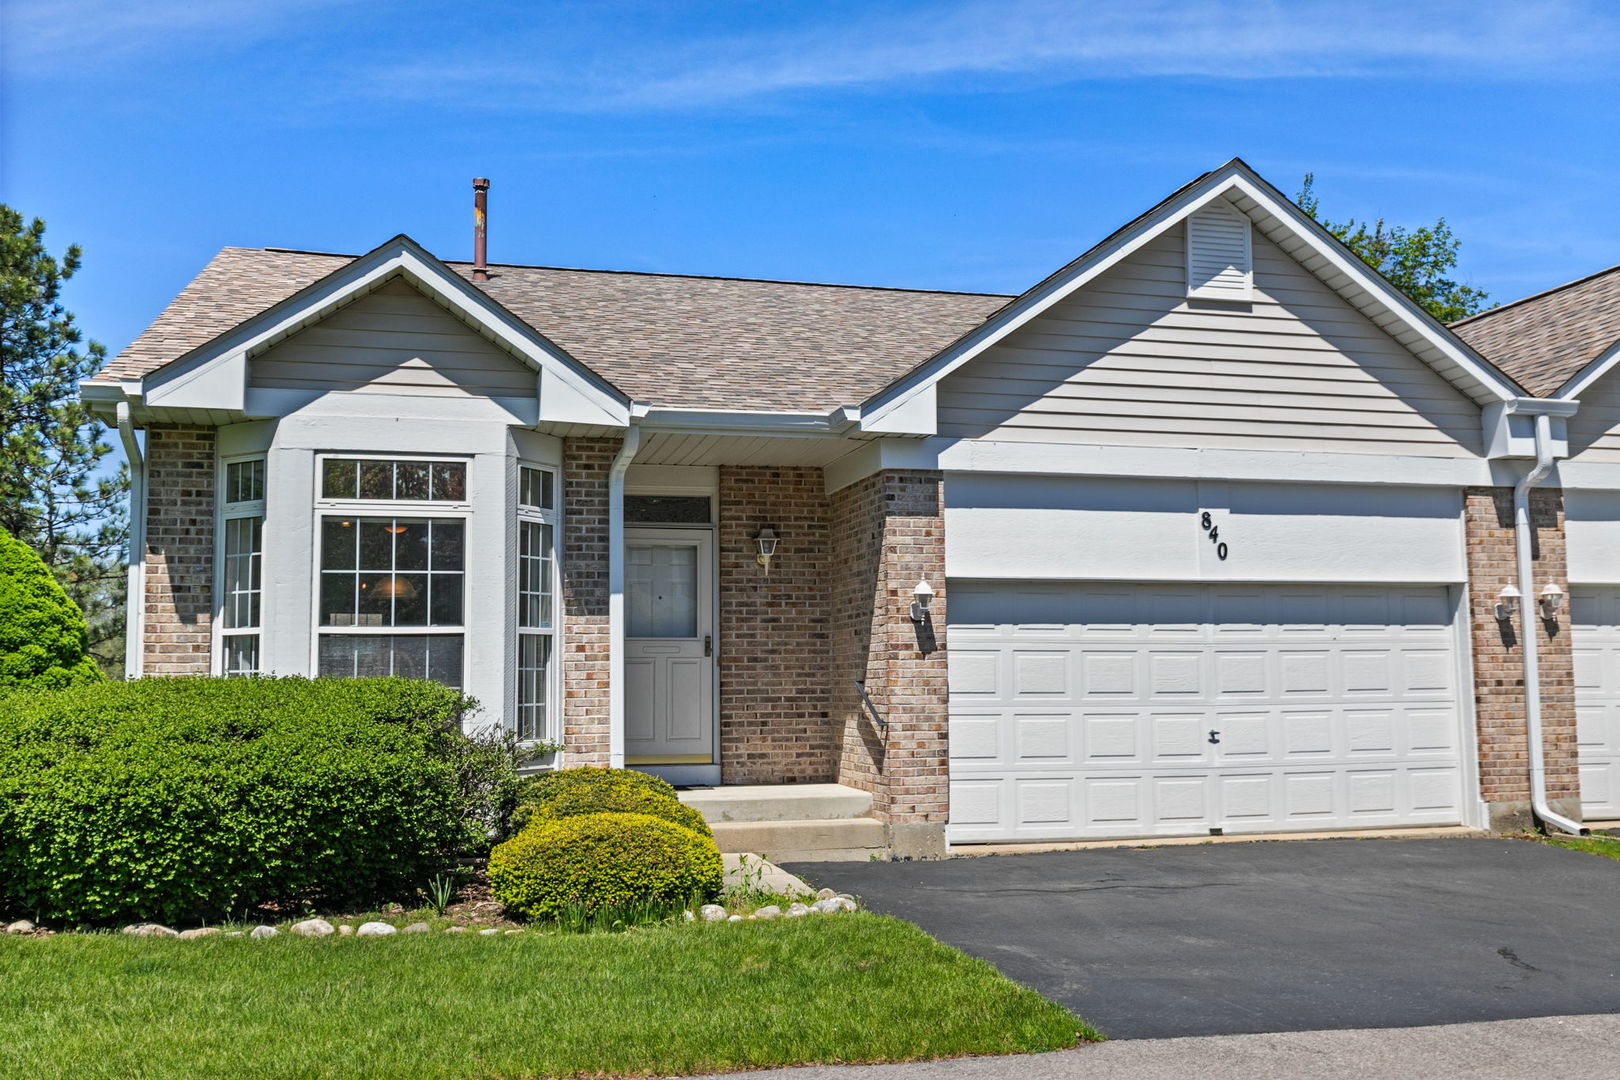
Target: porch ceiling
(670,448)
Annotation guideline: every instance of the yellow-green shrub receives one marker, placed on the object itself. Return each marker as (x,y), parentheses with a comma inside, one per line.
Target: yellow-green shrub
(601,861)
(610,799)
(579,786)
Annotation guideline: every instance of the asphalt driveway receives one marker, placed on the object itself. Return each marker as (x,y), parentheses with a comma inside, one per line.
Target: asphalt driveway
(1224,939)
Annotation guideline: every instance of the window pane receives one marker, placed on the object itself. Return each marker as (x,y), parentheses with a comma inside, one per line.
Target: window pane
(338,539)
(376,479)
(446,600)
(391,585)
(410,595)
(534,574)
(534,652)
(667,509)
(376,544)
(376,600)
(242,654)
(337,599)
(433,656)
(449,545)
(534,488)
(240,604)
(450,481)
(411,480)
(410,543)
(661,591)
(244,481)
(339,479)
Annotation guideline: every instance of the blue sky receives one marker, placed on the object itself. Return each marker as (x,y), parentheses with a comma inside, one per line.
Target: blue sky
(969,144)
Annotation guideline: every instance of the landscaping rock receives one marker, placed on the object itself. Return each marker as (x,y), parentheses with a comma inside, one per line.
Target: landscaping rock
(796,909)
(827,906)
(825,894)
(234,933)
(345,930)
(199,932)
(376,929)
(417,928)
(455,929)
(313,928)
(150,929)
(260,933)
(735,918)
(21,926)
(769,911)
(712,913)
(489,931)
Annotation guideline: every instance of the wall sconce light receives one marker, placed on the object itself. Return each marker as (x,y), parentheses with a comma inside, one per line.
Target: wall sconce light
(921,595)
(1550,600)
(767,547)
(1507,603)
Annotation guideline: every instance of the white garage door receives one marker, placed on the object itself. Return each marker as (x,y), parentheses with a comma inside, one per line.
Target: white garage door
(1084,711)
(1595,637)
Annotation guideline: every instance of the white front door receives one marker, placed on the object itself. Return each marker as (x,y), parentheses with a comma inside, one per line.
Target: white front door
(1594,623)
(1092,711)
(669,647)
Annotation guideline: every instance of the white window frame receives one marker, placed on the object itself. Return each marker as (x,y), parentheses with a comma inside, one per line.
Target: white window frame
(230,511)
(552,727)
(460,510)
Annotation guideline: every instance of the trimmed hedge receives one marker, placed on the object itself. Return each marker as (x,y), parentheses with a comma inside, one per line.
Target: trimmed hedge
(603,861)
(611,799)
(174,799)
(584,783)
(43,640)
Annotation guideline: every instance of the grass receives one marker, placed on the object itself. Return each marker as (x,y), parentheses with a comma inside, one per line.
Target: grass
(1596,844)
(669,1000)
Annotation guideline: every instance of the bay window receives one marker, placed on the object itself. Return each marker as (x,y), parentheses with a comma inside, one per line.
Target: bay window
(391,595)
(536,525)
(241,558)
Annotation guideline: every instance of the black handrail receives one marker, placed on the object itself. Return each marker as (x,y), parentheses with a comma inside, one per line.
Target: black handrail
(860,687)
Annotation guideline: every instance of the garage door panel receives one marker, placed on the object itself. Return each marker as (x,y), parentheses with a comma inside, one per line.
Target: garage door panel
(1319,721)
(1595,643)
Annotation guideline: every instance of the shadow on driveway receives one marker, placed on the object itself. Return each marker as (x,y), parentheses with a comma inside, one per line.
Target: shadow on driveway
(1226,939)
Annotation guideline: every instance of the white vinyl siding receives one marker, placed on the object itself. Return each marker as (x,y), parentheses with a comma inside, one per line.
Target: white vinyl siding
(394,341)
(1594,431)
(1131,361)
(1219,262)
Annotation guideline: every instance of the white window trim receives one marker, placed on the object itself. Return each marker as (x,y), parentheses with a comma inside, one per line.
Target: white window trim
(223,512)
(554,517)
(460,510)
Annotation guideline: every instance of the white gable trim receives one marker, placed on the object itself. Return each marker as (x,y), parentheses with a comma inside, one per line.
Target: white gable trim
(214,375)
(1279,220)
(1583,379)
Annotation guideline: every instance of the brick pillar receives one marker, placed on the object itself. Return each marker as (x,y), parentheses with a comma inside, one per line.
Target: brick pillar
(1504,763)
(177,637)
(585,659)
(888,532)
(775,727)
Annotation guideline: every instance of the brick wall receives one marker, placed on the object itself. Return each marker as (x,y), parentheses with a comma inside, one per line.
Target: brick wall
(1498,667)
(585,660)
(775,724)
(887,533)
(177,637)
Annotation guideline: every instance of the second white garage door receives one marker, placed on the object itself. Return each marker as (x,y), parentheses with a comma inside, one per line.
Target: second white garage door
(1594,625)
(1089,711)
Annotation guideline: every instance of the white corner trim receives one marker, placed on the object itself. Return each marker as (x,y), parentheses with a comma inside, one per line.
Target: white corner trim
(1583,379)
(1233,178)
(616,624)
(399,257)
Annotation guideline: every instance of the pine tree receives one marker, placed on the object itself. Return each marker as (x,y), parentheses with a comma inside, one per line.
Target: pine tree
(1416,261)
(57,494)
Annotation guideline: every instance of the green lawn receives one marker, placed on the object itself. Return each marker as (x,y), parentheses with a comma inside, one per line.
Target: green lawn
(668,1000)
(1596,844)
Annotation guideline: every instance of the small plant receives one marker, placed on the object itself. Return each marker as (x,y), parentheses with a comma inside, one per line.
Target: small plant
(577,919)
(441,891)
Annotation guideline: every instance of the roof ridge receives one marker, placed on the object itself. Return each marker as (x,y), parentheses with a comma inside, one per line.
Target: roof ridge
(1499,308)
(667,274)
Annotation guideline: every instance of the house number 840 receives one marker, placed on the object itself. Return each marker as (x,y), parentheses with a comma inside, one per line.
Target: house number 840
(1214,532)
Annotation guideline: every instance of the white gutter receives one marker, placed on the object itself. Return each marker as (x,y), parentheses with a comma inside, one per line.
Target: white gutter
(621,465)
(134,557)
(1528,614)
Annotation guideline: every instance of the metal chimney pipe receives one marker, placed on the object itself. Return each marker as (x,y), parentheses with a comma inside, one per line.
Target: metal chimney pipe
(480,236)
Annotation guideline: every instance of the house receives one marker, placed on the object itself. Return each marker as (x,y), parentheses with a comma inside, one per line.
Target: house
(1211,530)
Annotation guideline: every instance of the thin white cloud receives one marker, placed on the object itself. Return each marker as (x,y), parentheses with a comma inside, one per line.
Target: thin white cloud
(986,44)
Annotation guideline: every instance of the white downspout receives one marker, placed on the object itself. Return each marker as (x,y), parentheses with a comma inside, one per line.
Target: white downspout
(621,464)
(1528,615)
(135,556)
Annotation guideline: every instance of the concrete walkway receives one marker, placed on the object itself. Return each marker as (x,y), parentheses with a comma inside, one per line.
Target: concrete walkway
(1566,1047)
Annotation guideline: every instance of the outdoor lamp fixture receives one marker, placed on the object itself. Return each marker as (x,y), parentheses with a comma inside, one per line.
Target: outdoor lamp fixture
(1507,603)
(767,547)
(1550,600)
(922,594)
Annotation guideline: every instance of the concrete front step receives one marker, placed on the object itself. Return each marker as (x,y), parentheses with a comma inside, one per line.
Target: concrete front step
(828,840)
(777,802)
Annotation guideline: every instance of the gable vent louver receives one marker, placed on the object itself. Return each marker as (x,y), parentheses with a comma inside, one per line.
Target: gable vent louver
(1219,258)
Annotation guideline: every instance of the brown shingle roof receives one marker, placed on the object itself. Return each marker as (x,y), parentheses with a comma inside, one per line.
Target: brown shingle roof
(689,342)
(1543,340)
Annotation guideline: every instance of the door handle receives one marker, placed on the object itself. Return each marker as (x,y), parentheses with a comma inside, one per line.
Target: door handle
(1214,736)
(708,644)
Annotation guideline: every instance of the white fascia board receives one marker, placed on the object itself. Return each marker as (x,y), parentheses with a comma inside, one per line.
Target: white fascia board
(401,256)
(1491,385)
(1582,380)
(1586,475)
(757,422)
